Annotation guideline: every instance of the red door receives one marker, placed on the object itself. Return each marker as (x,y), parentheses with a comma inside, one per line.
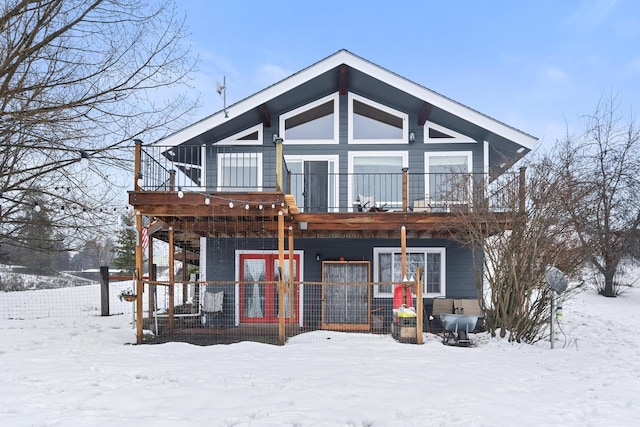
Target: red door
(259,297)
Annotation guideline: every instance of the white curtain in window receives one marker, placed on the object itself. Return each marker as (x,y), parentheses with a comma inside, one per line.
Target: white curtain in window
(286,280)
(254,271)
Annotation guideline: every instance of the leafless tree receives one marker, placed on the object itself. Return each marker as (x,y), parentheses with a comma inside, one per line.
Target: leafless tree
(600,167)
(79,80)
(517,228)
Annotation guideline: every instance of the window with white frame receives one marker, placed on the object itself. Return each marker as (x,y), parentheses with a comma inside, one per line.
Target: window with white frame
(437,134)
(448,177)
(377,175)
(251,136)
(300,180)
(388,268)
(313,123)
(239,171)
(373,123)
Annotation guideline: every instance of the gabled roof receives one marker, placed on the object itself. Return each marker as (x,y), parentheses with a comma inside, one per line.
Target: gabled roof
(347,58)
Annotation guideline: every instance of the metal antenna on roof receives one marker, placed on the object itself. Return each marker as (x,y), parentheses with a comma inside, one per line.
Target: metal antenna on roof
(222,91)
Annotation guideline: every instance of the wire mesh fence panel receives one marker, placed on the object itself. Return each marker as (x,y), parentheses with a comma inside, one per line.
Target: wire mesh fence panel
(77,301)
(207,313)
(228,312)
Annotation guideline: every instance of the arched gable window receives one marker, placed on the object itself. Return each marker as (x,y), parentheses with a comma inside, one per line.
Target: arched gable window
(313,123)
(373,123)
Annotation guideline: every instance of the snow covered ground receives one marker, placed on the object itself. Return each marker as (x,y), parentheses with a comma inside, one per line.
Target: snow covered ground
(84,371)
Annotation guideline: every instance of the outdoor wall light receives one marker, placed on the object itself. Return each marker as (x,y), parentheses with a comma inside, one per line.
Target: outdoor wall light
(230,205)
(180,193)
(318,257)
(140,180)
(277,139)
(207,200)
(36,207)
(412,136)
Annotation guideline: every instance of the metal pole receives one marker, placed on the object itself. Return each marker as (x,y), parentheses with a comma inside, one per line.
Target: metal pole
(551,320)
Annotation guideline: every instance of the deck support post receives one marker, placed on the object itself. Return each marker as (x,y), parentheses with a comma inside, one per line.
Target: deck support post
(172,279)
(185,286)
(139,285)
(151,302)
(278,142)
(403,258)
(281,335)
(405,189)
(419,305)
(172,180)
(403,248)
(292,285)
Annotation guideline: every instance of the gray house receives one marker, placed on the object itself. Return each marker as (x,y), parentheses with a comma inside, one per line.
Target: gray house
(341,155)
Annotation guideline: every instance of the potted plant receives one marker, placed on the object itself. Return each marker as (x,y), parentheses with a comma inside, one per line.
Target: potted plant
(127,295)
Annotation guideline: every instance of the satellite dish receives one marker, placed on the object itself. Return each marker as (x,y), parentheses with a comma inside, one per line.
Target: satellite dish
(557,280)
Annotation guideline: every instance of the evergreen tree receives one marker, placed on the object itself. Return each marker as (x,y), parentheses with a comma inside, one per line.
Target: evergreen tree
(41,243)
(125,247)
(93,254)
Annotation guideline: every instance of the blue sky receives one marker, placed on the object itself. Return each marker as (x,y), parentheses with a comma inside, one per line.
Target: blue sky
(536,65)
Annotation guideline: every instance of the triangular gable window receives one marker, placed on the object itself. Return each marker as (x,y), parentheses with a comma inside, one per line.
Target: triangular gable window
(316,122)
(251,136)
(436,134)
(440,134)
(374,123)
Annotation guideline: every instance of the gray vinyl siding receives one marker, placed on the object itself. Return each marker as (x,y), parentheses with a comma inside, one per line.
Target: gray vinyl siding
(221,261)
(221,266)
(415,151)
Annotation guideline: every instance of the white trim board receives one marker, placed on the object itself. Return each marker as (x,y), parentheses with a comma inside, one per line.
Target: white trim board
(367,67)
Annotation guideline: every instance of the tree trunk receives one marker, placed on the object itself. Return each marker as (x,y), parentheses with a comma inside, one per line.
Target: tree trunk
(608,290)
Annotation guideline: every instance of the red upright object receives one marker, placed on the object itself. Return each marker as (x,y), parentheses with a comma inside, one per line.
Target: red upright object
(397,296)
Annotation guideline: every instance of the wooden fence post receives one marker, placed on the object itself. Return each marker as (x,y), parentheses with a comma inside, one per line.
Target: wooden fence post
(280,286)
(104,290)
(419,305)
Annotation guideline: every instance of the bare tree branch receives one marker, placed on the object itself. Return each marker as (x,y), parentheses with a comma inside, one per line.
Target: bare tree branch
(79,79)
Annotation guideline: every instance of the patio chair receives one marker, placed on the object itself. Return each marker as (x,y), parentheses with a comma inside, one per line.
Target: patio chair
(365,203)
(470,307)
(212,305)
(368,204)
(440,306)
(467,306)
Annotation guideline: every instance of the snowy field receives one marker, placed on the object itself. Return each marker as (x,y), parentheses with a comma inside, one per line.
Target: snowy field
(84,371)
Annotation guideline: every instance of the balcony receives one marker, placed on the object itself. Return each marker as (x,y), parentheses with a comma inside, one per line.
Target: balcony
(254,183)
